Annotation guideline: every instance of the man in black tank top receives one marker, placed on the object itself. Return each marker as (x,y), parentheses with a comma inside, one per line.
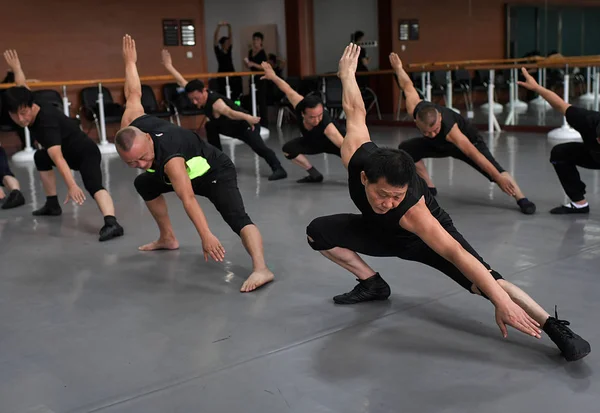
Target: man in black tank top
(227,118)
(319,133)
(447,133)
(400,218)
(177,160)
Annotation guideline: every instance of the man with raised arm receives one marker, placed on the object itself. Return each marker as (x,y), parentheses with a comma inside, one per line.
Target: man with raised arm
(401,218)
(65,146)
(178,160)
(319,133)
(226,118)
(566,157)
(447,133)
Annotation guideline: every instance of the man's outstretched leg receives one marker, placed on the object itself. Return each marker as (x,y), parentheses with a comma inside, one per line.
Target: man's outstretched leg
(261,275)
(151,189)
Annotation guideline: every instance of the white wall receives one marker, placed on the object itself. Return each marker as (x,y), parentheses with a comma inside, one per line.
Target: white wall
(335,21)
(240,13)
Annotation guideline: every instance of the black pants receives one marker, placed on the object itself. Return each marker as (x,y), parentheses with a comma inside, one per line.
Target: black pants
(306,146)
(250,137)
(420,148)
(220,187)
(83,156)
(565,158)
(262,92)
(4,168)
(353,232)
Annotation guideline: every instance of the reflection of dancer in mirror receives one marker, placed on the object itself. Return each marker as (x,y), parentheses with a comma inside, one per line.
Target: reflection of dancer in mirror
(401,218)
(64,146)
(319,133)
(566,157)
(448,134)
(177,160)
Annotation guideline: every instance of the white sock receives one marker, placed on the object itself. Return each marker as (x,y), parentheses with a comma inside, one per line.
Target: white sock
(576,206)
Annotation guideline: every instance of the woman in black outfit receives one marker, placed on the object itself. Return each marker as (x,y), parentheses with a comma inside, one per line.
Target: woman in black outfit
(256,56)
(222,48)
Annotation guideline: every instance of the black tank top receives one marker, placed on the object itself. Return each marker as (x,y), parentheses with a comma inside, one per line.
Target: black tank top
(449,119)
(390,221)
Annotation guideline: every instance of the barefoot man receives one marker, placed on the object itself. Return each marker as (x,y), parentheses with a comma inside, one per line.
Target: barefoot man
(177,160)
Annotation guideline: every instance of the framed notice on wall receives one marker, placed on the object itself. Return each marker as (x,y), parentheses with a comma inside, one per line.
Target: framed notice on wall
(408,29)
(170,32)
(188,33)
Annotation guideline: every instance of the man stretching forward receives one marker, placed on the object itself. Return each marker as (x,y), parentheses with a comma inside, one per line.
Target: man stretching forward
(177,160)
(400,218)
(447,133)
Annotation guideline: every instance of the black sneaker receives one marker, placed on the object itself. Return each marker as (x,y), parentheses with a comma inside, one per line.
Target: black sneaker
(570,344)
(111,231)
(570,209)
(277,174)
(13,200)
(48,210)
(309,179)
(371,289)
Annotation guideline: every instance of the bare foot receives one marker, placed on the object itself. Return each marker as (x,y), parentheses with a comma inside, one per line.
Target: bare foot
(257,279)
(161,244)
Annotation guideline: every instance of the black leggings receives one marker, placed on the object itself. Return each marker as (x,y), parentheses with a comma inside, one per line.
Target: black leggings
(83,156)
(4,168)
(565,158)
(307,146)
(220,188)
(250,137)
(353,232)
(420,148)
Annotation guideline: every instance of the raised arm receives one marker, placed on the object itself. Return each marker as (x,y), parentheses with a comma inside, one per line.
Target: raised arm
(552,98)
(12,58)
(406,84)
(168,63)
(133,87)
(216,35)
(352,102)
(293,96)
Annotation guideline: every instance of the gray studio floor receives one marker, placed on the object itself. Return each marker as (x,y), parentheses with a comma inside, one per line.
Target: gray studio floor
(91,327)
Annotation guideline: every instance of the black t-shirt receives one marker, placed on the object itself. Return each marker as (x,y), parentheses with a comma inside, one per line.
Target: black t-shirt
(449,119)
(587,123)
(257,58)
(52,127)
(224,59)
(318,132)
(170,141)
(389,222)
(226,125)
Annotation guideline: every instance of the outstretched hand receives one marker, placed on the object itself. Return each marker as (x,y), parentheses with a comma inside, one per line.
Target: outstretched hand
(12,58)
(395,61)
(129,51)
(349,61)
(269,72)
(529,83)
(509,313)
(166,58)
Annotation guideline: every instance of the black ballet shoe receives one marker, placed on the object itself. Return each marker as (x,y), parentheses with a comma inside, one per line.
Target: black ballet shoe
(13,200)
(111,231)
(48,210)
(310,179)
(527,207)
(570,209)
(372,289)
(278,173)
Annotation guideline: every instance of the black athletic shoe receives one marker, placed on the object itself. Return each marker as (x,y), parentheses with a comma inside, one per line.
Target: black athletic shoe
(371,289)
(111,231)
(309,179)
(278,173)
(13,200)
(48,210)
(570,209)
(527,207)
(570,344)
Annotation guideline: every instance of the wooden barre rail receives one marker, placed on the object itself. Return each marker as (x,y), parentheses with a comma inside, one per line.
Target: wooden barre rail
(498,64)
